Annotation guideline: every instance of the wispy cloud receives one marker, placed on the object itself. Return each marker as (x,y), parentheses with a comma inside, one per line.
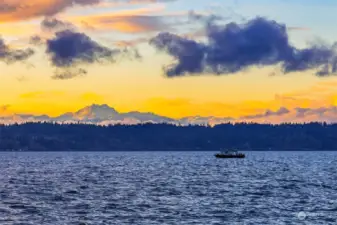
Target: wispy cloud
(141,40)
(318,90)
(69,73)
(298,28)
(29,9)
(51,24)
(10,55)
(298,115)
(131,43)
(138,20)
(152,18)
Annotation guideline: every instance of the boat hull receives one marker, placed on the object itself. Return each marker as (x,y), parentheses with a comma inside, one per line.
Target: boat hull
(230,156)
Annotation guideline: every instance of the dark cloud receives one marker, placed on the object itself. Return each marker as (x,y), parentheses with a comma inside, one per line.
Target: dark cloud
(188,53)
(69,48)
(10,56)
(235,47)
(69,51)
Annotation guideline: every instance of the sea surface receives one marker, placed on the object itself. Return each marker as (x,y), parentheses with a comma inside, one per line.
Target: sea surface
(168,188)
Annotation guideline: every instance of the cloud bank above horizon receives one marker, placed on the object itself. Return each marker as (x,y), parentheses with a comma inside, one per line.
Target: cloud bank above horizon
(228,48)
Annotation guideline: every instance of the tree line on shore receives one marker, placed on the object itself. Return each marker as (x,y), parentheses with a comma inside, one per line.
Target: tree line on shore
(167,137)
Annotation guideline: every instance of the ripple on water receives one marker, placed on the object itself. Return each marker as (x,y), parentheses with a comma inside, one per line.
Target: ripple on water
(168,188)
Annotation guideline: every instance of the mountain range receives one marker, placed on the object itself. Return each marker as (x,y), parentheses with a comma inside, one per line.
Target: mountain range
(106,115)
(95,114)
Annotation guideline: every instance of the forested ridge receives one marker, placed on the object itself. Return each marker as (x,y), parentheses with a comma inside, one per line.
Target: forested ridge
(243,136)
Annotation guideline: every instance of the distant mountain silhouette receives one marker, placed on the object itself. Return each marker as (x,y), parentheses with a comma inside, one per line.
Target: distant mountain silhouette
(106,115)
(97,114)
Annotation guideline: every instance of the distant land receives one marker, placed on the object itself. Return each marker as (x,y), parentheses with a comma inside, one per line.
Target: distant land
(167,137)
(103,114)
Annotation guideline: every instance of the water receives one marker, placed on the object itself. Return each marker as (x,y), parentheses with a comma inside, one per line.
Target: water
(168,188)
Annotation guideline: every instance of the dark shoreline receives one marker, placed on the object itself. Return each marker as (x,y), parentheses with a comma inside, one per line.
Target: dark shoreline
(47,137)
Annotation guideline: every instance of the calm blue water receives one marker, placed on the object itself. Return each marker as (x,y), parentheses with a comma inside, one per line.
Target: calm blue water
(168,188)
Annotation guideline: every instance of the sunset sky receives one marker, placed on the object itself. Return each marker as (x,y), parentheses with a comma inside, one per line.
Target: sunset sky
(123,63)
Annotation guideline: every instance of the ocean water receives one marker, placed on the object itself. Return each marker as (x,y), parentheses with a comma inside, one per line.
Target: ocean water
(168,188)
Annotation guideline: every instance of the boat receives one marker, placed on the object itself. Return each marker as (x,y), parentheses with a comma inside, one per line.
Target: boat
(230,154)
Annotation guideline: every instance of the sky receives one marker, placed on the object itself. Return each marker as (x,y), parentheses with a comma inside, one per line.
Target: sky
(178,58)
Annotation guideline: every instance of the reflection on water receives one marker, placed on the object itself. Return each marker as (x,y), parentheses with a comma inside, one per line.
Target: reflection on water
(168,188)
